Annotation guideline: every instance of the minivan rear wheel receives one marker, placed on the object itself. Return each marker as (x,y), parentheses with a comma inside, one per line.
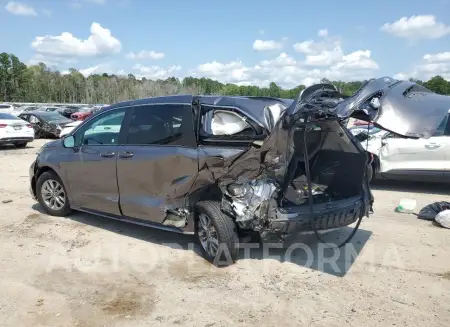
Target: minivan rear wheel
(217,234)
(52,194)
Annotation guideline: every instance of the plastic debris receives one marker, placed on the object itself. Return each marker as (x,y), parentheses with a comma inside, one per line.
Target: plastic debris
(430,211)
(443,218)
(406,206)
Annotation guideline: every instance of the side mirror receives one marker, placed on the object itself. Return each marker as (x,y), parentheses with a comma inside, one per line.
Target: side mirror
(69,141)
(361,137)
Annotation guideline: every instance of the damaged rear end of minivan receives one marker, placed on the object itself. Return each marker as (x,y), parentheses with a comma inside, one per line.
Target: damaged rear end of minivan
(310,173)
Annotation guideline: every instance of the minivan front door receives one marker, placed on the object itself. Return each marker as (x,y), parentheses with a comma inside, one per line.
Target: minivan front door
(91,169)
(159,163)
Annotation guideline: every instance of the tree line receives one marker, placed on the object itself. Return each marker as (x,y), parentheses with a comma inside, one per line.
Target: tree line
(39,83)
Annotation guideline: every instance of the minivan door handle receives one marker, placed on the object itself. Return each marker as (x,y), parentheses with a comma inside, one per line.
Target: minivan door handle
(126,154)
(108,154)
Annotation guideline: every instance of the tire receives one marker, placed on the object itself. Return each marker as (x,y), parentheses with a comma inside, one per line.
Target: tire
(21,144)
(225,233)
(49,178)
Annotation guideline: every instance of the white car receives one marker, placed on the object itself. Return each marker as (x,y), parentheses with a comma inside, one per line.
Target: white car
(111,124)
(69,128)
(14,130)
(6,107)
(396,157)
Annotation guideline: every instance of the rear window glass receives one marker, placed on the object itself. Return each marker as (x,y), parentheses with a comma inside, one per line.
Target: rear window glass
(5,106)
(7,116)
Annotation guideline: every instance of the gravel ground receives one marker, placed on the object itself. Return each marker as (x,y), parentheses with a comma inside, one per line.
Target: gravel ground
(89,271)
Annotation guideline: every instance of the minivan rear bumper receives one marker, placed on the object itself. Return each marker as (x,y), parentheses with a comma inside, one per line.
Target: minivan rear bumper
(326,216)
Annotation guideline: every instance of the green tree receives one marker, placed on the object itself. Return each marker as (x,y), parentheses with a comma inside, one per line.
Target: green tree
(38,83)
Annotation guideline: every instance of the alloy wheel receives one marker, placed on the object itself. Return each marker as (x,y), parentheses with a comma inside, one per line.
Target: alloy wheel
(207,235)
(53,194)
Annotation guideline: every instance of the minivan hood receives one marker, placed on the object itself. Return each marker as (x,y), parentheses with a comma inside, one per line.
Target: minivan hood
(402,107)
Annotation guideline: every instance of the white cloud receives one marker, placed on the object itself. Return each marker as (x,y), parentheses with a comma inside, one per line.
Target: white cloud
(438,57)
(430,65)
(156,72)
(323,53)
(234,71)
(323,32)
(266,45)
(51,61)
(325,59)
(92,70)
(145,54)
(99,43)
(20,9)
(417,27)
(357,60)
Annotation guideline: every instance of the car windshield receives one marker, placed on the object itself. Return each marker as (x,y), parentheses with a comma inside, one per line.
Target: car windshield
(52,116)
(7,116)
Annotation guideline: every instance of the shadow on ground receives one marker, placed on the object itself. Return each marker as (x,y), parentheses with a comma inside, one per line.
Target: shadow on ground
(11,147)
(301,249)
(411,187)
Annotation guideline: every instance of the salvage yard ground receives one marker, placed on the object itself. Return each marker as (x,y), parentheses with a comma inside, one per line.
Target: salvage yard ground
(89,271)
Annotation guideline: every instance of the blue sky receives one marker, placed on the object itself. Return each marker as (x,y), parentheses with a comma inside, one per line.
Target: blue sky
(246,42)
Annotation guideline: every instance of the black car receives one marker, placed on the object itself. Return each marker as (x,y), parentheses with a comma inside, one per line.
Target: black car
(67,111)
(223,167)
(45,123)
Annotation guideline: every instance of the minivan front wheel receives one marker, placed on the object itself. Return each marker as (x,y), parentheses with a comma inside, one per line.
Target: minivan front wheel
(216,233)
(52,194)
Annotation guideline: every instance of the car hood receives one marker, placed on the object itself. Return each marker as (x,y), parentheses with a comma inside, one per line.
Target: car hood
(402,107)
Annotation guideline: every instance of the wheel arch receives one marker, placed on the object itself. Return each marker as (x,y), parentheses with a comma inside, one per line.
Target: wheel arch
(38,172)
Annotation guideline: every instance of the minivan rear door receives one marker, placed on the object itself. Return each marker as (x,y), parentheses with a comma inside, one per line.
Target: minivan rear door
(158,163)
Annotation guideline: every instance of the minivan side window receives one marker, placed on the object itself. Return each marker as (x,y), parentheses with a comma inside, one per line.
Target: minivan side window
(102,130)
(167,124)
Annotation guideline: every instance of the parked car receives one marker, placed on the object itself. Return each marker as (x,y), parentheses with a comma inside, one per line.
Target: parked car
(68,128)
(111,125)
(67,111)
(83,113)
(396,157)
(6,107)
(368,129)
(14,130)
(224,167)
(28,109)
(45,124)
(48,109)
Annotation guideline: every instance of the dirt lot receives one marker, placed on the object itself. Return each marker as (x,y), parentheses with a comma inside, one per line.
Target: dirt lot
(89,271)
